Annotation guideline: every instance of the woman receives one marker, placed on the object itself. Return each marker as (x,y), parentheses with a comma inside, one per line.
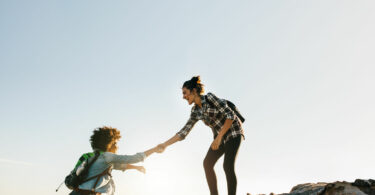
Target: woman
(225,125)
(104,142)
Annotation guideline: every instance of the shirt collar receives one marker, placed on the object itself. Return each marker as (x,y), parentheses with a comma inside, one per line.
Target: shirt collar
(203,102)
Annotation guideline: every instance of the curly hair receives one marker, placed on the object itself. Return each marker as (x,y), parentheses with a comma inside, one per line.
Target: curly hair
(103,137)
(194,83)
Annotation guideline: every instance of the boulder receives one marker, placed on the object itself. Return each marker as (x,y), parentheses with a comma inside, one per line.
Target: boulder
(358,187)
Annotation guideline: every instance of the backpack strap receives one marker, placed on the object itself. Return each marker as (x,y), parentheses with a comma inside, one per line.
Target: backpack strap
(231,106)
(97,154)
(106,171)
(89,163)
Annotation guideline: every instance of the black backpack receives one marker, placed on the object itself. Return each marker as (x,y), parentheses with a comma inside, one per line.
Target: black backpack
(235,110)
(232,107)
(73,180)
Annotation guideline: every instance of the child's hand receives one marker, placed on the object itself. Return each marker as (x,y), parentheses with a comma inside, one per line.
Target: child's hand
(141,169)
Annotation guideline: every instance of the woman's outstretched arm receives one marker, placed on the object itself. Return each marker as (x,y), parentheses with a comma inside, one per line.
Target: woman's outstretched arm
(152,150)
(171,141)
(181,134)
(161,147)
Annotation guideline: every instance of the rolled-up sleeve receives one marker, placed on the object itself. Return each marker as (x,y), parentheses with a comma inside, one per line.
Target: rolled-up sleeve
(188,126)
(124,159)
(221,105)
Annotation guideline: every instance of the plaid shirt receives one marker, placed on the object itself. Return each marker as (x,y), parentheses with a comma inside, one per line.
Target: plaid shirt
(213,113)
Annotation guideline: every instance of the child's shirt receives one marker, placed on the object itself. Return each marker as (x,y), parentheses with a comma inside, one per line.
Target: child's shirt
(105,184)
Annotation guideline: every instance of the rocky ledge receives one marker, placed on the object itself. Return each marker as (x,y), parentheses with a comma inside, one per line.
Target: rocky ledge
(358,187)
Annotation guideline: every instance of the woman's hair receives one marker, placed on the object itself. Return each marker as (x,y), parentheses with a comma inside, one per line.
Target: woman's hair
(103,137)
(194,83)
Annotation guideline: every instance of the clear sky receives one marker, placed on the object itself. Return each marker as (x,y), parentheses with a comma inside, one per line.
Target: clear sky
(301,72)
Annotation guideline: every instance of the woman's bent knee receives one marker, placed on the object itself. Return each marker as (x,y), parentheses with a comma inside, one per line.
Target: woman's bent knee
(207,164)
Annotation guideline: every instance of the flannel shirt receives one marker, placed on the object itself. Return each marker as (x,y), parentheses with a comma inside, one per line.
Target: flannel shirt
(213,113)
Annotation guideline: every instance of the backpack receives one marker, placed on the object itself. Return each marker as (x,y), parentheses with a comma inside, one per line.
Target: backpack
(232,107)
(235,110)
(79,174)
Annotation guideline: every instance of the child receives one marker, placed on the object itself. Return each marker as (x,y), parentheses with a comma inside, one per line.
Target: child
(104,143)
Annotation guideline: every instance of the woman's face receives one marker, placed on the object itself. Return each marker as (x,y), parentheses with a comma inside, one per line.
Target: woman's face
(188,95)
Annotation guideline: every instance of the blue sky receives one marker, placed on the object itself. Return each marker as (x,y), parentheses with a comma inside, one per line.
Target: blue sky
(301,72)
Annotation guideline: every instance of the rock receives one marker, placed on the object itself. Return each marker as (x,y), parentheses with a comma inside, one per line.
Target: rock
(342,188)
(362,183)
(366,186)
(308,189)
(358,187)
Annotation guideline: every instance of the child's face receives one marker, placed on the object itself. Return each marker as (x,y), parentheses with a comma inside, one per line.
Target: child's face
(113,148)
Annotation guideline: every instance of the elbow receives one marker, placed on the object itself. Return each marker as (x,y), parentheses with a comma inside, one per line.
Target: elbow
(180,136)
(229,122)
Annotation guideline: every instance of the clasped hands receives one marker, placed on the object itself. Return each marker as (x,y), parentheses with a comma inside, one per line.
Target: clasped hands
(161,147)
(214,145)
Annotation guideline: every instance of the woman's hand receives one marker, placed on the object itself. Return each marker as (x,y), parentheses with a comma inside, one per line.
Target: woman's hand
(216,143)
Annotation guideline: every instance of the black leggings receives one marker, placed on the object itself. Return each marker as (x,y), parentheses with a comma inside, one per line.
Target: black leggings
(230,150)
